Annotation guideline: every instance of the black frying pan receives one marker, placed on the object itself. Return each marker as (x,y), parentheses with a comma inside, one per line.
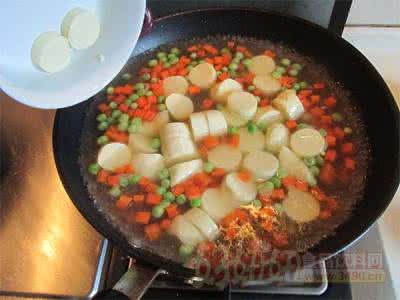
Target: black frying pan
(343,61)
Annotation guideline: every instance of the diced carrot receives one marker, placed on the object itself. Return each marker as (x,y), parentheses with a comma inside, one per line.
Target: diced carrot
(234,140)
(331,140)
(291,124)
(330,155)
(201,53)
(305,93)
(237,214)
(172,211)
(349,163)
(117,136)
(325,214)
(327,120)
(269,53)
(223,76)
(178,189)
(257,92)
(301,185)
(123,201)
(280,239)
(102,176)
(103,107)
(203,151)
(218,172)
(207,104)
(142,217)
(347,148)
(151,187)
(265,199)
(113,180)
(210,49)
(268,225)
(287,81)
(152,231)
(332,204)
(288,181)
(194,90)
(183,72)
(231,44)
(263,102)
(138,198)
(330,102)
(201,179)
(317,111)
(327,174)
(339,133)
(165,224)
(193,48)
(306,103)
(210,142)
(278,194)
(244,175)
(315,99)
(153,199)
(192,192)
(319,86)
(144,181)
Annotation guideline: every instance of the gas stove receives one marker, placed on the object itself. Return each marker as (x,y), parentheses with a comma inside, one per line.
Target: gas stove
(50,251)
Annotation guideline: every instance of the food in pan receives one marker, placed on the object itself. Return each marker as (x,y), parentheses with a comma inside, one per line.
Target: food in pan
(235,144)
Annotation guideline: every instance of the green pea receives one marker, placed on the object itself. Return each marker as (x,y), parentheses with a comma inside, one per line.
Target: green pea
(163,59)
(279,207)
(348,130)
(233,66)
(296,86)
(193,55)
(152,63)
(314,170)
(312,181)
(193,63)
(148,93)
(110,90)
(154,80)
(247,62)
(225,50)
(101,117)
(116,113)
(281,173)
(134,179)
(337,117)
(218,73)
(139,86)
(163,174)
(303,85)
(174,61)
(115,191)
(134,105)
(128,101)
(160,99)
(293,72)
(123,126)
(310,161)
(232,74)
(167,65)
(276,182)
(189,67)
(236,60)
(224,69)
(276,75)
(319,160)
(94,168)
(113,105)
(133,97)
(303,125)
(146,76)
(126,76)
(155,143)
(251,127)
(141,92)
(123,118)
(102,126)
(281,70)
(162,107)
(239,55)
(196,202)
(157,211)
(161,190)
(181,199)
(257,203)
(323,132)
(297,67)
(111,120)
(133,128)
(285,62)
(161,54)
(233,130)
(137,121)
(208,167)
(123,181)
(165,183)
(175,51)
(164,203)
(102,140)
(268,185)
(251,88)
(185,250)
(171,56)
(169,196)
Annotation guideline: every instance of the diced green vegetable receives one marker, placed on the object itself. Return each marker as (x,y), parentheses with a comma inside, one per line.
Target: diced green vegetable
(134,179)
(233,130)
(181,199)
(285,62)
(196,202)
(115,191)
(166,183)
(185,250)
(123,181)
(251,127)
(208,167)
(157,211)
(163,174)
(101,117)
(94,168)
(102,126)
(102,140)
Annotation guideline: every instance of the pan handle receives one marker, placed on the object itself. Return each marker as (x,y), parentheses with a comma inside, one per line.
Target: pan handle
(132,285)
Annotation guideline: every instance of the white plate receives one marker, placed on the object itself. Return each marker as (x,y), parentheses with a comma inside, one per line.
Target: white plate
(21,21)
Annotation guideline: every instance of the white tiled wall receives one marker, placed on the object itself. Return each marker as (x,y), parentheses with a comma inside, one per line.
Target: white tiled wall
(375,12)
